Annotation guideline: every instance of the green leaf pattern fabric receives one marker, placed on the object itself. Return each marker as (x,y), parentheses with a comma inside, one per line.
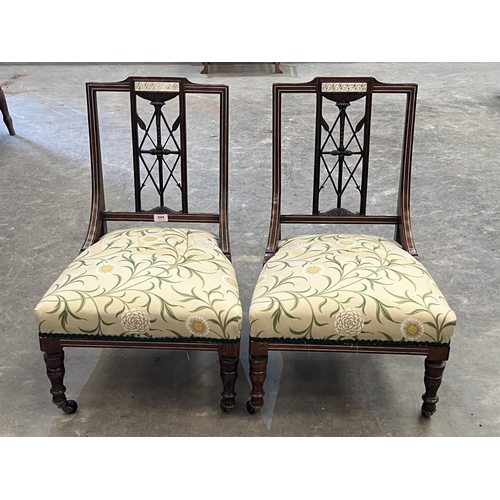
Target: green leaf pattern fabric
(153,283)
(348,288)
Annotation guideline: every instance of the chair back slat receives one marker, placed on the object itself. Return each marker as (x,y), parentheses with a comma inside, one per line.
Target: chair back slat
(342,148)
(159,141)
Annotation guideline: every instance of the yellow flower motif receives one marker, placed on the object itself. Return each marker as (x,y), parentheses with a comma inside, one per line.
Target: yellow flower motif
(197,325)
(412,328)
(148,238)
(346,243)
(313,269)
(230,281)
(106,268)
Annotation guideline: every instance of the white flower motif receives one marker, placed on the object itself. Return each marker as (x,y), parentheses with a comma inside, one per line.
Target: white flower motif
(412,328)
(106,268)
(150,238)
(294,245)
(343,243)
(204,243)
(349,322)
(229,280)
(313,269)
(135,321)
(197,325)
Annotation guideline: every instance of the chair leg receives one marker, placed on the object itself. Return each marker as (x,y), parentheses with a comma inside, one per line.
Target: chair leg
(53,355)
(204,71)
(432,380)
(258,363)
(5,112)
(228,359)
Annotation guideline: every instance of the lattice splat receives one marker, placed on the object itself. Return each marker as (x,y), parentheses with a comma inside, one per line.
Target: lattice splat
(342,142)
(159,144)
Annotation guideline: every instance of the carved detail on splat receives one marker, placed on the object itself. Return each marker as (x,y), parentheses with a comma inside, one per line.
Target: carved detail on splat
(340,154)
(159,145)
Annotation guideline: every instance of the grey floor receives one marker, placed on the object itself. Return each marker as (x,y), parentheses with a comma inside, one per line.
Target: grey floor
(45,196)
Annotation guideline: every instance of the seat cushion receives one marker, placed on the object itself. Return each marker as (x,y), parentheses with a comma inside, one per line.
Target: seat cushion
(345,288)
(157,283)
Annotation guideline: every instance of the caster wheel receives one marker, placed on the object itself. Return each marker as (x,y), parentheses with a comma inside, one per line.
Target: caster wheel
(252,409)
(69,407)
(226,408)
(427,414)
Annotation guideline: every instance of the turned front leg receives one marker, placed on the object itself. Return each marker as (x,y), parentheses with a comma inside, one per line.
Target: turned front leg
(258,371)
(432,380)
(53,356)
(228,359)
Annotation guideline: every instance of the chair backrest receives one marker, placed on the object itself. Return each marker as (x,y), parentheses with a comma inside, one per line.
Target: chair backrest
(342,155)
(159,154)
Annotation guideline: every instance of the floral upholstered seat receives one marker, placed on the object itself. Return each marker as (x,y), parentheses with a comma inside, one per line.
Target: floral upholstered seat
(155,283)
(348,288)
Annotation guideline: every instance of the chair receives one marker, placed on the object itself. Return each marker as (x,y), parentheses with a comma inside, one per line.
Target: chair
(153,286)
(345,292)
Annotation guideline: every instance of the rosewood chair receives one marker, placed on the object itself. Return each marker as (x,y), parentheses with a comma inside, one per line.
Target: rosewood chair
(160,285)
(346,291)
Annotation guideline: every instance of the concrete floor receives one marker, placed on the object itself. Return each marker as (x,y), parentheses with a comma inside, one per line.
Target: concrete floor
(45,196)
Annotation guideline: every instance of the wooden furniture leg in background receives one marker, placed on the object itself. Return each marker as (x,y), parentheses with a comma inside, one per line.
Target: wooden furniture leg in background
(277,69)
(5,112)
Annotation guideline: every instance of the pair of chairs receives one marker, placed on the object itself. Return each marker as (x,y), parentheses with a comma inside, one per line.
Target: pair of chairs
(165,286)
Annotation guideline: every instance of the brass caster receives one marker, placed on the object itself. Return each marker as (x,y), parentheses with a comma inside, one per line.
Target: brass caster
(427,414)
(226,408)
(69,406)
(251,408)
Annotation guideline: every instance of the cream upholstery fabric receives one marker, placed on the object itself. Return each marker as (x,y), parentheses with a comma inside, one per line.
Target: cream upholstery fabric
(348,288)
(158,283)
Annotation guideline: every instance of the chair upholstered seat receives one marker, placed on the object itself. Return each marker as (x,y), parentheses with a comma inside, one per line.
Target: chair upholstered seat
(146,283)
(348,288)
